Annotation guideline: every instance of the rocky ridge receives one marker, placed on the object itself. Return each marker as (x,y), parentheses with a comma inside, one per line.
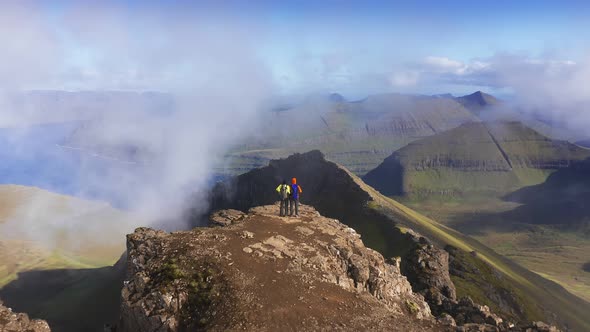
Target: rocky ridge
(262,272)
(258,271)
(19,322)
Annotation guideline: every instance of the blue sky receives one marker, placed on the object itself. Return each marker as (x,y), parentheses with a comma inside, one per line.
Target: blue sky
(294,47)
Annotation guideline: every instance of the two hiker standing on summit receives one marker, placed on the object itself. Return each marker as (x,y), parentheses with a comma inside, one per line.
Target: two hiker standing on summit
(289,198)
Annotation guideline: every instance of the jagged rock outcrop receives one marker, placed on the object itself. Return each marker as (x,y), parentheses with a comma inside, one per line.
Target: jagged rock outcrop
(19,322)
(226,217)
(540,327)
(263,272)
(428,268)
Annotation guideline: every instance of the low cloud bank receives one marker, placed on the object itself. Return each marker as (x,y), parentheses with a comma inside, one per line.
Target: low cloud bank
(206,70)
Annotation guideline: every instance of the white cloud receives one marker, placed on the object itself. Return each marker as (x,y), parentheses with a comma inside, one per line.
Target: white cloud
(405,78)
(210,64)
(443,63)
(556,89)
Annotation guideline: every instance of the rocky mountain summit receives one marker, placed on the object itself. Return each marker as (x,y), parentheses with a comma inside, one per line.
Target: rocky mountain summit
(19,322)
(257,271)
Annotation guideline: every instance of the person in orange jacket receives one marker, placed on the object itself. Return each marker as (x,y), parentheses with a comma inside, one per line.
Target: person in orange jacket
(294,198)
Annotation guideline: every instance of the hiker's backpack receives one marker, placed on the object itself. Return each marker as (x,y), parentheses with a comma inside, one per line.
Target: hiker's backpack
(284,194)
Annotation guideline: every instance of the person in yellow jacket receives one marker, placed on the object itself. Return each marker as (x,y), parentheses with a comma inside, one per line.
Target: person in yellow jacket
(284,191)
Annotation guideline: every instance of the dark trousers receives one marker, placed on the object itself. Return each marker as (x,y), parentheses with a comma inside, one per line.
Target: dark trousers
(284,209)
(294,202)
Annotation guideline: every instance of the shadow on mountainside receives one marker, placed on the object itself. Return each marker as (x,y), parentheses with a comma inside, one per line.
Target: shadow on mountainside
(560,202)
(548,233)
(69,299)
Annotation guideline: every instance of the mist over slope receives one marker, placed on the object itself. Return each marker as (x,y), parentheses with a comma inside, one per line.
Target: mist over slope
(361,134)
(40,230)
(56,256)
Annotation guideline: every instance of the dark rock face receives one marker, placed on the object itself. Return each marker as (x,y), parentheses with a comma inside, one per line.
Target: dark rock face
(141,249)
(266,273)
(427,267)
(325,186)
(468,312)
(330,189)
(18,322)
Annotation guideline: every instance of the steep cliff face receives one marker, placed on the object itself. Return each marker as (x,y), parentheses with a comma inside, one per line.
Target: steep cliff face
(266,273)
(477,157)
(18,322)
(427,266)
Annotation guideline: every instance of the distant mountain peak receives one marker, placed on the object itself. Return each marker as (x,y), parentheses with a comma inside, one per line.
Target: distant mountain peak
(481,98)
(476,101)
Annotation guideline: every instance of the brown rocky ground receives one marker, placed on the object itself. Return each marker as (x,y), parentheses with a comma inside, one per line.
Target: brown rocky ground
(18,322)
(266,273)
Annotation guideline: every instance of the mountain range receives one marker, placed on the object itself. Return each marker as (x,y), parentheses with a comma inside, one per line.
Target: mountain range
(480,211)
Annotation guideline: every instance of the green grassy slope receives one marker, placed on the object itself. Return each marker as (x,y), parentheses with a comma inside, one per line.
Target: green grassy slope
(531,237)
(537,291)
(489,158)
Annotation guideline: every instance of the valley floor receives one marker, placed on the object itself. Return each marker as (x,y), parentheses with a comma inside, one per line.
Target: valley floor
(558,255)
